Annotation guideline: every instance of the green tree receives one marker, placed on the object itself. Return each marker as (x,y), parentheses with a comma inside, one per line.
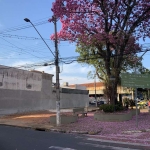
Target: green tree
(108,26)
(89,55)
(144,70)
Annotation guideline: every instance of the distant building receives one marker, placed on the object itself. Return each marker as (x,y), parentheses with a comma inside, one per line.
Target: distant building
(97,89)
(75,86)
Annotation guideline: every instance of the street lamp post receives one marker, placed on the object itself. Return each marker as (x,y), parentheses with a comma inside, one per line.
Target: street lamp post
(28,20)
(58,122)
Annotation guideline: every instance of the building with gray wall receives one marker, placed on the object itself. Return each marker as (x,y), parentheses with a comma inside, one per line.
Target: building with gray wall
(23,91)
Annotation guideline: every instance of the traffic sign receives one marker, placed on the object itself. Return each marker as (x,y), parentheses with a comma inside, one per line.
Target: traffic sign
(135,80)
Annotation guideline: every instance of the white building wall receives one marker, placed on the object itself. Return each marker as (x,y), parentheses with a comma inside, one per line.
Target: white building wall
(16,97)
(16,79)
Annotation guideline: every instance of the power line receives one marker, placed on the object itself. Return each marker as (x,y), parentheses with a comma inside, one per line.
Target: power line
(15,58)
(31,49)
(27,20)
(21,37)
(23,27)
(39,64)
(20,27)
(20,48)
(25,49)
(76,58)
(35,48)
(63,60)
(69,60)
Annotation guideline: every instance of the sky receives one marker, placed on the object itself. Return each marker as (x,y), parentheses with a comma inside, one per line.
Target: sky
(20,44)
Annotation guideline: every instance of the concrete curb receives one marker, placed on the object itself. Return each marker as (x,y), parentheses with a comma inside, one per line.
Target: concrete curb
(53,129)
(18,126)
(76,132)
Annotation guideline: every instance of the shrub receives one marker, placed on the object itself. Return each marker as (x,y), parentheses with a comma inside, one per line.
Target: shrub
(126,101)
(131,103)
(111,108)
(119,103)
(107,108)
(119,108)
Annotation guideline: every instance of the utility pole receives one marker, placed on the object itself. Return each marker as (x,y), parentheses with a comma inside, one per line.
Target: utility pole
(58,121)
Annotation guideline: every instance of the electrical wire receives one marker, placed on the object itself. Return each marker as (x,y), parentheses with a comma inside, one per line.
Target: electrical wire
(76,58)
(20,48)
(69,60)
(21,51)
(25,26)
(32,49)
(39,64)
(21,37)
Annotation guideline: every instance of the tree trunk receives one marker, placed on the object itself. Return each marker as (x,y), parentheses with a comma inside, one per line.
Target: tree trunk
(113,69)
(111,85)
(111,92)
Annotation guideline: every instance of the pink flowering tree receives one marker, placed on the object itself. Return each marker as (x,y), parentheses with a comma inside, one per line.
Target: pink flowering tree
(115,24)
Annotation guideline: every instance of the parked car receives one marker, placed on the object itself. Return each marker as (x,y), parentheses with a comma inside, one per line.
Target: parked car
(92,102)
(143,103)
(98,102)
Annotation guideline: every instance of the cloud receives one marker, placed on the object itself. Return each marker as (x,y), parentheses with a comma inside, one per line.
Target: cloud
(47,69)
(22,63)
(74,69)
(72,73)
(74,79)
(8,60)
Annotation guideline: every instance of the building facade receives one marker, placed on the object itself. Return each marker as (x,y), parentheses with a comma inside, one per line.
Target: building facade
(23,91)
(96,90)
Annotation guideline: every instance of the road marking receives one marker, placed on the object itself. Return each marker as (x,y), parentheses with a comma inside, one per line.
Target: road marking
(60,148)
(105,146)
(124,138)
(110,141)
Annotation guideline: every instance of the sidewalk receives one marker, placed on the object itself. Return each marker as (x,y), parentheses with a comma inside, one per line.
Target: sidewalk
(28,120)
(113,131)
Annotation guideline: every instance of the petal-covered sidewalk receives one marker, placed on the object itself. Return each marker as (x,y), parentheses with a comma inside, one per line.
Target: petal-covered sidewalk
(115,131)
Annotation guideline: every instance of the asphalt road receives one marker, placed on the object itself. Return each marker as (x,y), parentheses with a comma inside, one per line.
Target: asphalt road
(13,138)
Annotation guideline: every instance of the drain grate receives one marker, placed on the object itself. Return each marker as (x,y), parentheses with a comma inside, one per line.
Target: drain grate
(40,129)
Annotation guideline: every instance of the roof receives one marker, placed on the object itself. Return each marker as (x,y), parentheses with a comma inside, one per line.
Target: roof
(89,84)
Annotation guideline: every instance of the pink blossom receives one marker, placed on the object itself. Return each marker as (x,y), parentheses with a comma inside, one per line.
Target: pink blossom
(86,20)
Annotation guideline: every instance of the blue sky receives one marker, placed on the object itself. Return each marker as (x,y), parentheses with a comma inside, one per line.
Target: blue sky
(18,48)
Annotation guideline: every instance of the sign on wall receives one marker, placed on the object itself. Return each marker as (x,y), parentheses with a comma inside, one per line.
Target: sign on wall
(135,80)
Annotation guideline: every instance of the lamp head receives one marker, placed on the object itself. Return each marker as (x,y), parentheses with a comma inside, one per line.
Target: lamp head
(27,20)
